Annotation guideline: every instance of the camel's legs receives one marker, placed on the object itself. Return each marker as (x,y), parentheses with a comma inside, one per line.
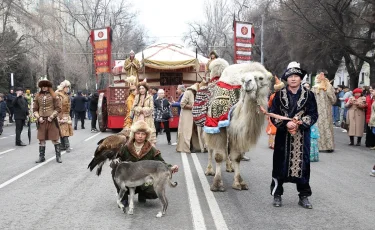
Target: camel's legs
(217,184)
(238,183)
(209,169)
(228,163)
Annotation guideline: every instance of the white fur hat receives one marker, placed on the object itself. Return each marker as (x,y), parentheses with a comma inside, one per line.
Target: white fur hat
(63,84)
(140,126)
(160,91)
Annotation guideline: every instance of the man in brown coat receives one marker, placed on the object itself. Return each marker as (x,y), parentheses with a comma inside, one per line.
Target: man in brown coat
(46,108)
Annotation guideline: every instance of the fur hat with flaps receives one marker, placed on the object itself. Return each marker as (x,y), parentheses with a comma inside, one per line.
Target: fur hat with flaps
(44,83)
(294,68)
(214,53)
(63,84)
(194,87)
(278,84)
(321,82)
(140,126)
(131,80)
(144,84)
(217,67)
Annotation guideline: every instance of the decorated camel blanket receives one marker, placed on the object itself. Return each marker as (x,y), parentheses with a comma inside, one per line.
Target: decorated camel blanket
(222,99)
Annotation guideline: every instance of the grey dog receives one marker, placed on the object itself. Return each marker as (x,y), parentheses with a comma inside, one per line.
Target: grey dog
(133,174)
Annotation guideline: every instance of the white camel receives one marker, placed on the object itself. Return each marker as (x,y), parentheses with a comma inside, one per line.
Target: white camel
(246,119)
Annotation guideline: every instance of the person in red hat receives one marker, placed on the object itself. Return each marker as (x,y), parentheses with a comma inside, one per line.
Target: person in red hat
(356,116)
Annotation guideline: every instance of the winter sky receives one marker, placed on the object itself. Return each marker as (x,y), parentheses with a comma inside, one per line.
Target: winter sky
(166,20)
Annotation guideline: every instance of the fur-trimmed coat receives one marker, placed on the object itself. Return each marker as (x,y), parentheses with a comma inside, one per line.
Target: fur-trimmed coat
(63,117)
(47,105)
(291,156)
(143,109)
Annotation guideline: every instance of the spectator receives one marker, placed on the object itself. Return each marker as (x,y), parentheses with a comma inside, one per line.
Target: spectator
(162,114)
(180,91)
(87,104)
(154,93)
(370,137)
(71,105)
(336,108)
(21,111)
(79,109)
(340,95)
(93,111)
(9,100)
(3,112)
(346,96)
(371,123)
(356,116)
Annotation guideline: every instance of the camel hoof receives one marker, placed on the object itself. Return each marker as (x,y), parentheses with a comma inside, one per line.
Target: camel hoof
(209,173)
(244,186)
(130,212)
(237,186)
(221,189)
(160,214)
(230,170)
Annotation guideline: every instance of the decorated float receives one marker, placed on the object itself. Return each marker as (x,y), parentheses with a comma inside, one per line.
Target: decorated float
(164,66)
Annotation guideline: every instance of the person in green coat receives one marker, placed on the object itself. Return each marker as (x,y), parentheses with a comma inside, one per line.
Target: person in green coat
(138,148)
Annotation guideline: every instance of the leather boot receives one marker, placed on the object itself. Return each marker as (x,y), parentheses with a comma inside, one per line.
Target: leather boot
(62,143)
(304,202)
(351,140)
(42,150)
(359,141)
(58,153)
(67,144)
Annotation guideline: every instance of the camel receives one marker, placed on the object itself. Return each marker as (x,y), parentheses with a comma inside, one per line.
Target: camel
(245,119)
(216,67)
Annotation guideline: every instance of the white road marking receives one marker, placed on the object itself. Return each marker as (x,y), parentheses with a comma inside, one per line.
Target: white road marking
(212,203)
(195,207)
(12,135)
(1,153)
(3,138)
(8,182)
(92,137)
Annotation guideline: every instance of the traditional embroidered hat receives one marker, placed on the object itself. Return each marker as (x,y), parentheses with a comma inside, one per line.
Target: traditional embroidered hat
(357,90)
(278,84)
(140,126)
(131,52)
(294,68)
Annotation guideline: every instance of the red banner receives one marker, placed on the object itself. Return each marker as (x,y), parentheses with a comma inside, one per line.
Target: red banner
(243,41)
(101,43)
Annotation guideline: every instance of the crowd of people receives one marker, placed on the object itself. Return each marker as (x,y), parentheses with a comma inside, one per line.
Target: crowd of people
(149,112)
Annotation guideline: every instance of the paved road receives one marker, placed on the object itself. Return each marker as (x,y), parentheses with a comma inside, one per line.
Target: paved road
(68,196)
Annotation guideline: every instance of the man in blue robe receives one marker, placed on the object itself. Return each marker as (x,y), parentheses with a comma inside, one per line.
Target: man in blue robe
(291,157)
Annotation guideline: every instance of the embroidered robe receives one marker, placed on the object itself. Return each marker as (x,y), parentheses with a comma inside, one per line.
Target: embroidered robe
(291,156)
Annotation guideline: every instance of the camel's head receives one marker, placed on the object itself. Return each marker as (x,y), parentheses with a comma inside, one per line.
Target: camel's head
(249,84)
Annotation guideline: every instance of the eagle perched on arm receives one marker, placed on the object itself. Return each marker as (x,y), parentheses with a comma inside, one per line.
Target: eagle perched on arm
(107,150)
